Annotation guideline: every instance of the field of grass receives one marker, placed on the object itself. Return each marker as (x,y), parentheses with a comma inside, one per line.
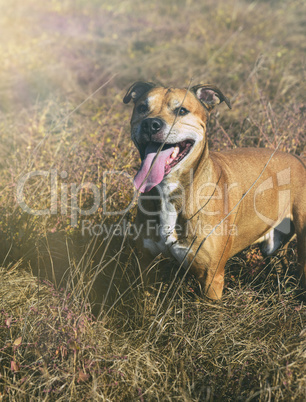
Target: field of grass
(76,323)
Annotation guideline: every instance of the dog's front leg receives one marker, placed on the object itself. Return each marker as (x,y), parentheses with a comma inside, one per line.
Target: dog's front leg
(210,274)
(212,283)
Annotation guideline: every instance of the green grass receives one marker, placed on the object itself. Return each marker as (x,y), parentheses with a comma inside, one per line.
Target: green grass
(164,343)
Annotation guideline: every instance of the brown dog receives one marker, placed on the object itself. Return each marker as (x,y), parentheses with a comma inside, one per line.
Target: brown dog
(203,207)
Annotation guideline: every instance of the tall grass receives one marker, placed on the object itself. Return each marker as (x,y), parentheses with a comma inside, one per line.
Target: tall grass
(65,68)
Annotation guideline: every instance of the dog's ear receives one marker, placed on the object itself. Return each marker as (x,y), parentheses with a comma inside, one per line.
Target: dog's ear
(137,90)
(210,96)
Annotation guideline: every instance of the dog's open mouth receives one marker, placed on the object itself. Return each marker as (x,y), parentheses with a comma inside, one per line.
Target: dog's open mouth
(180,151)
(158,163)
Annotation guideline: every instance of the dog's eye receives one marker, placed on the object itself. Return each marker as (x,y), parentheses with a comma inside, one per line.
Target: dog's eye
(142,108)
(181,111)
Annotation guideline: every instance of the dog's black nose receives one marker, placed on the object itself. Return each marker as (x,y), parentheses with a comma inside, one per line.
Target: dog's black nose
(151,126)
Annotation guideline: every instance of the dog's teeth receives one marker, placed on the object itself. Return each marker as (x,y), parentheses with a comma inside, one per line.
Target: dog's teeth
(175,152)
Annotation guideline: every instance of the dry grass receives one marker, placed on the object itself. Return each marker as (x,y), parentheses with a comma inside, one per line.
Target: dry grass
(166,343)
(160,345)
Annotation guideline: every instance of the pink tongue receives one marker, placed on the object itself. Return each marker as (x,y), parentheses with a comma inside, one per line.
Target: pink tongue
(157,172)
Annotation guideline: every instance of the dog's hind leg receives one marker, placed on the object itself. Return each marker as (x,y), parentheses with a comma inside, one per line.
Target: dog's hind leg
(301,249)
(299,215)
(277,237)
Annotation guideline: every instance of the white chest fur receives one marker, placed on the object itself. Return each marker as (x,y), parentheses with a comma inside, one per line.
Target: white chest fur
(167,243)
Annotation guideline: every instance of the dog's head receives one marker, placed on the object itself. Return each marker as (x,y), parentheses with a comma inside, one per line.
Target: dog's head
(168,127)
